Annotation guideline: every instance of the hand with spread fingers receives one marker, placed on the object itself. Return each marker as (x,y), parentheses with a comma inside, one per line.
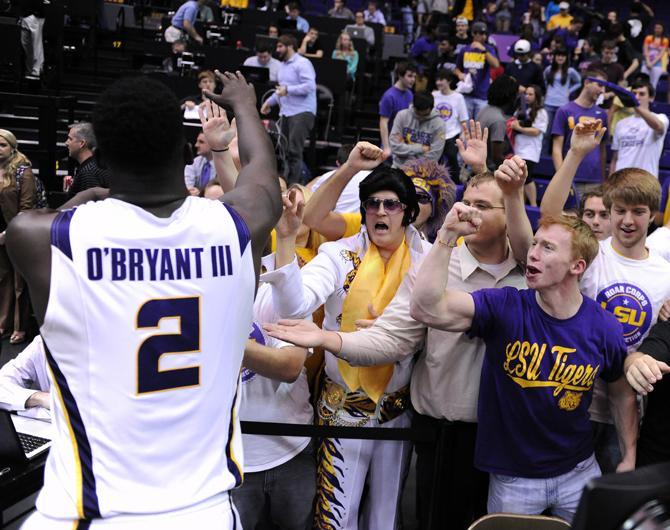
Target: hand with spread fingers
(291,220)
(472,145)
(511,175)
(643,372)
(461,220)
(235,91)
(586,137)
(364,156)
(299,332)
(215,126)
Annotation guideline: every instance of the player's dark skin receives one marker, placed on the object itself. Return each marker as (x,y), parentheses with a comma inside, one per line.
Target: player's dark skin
(256,197)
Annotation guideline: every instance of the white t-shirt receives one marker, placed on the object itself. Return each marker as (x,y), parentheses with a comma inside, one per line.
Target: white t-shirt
(637,144)
(264,399)
(349,200)
(453,111)
(529,147)
(634,291)
(659,242)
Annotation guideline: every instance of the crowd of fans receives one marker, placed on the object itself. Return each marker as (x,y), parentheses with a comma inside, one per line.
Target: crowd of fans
(411,273)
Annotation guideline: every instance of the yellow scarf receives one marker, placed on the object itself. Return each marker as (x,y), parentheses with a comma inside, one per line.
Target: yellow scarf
(374,283)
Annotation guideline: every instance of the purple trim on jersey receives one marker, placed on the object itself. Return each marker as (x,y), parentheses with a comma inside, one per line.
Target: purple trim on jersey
(232,466)
(60,232)
(232,511)
(89,495)
(241,226)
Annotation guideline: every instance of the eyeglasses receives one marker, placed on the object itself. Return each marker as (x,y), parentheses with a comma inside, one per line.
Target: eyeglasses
(424,198)
(482,206)
(391,206)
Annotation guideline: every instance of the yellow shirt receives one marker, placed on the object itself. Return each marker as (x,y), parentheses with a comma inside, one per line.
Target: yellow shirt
(559,21)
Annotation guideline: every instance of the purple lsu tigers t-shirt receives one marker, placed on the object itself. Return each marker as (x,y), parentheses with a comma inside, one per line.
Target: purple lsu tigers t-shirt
(537,381)
(566,118)
(393,101)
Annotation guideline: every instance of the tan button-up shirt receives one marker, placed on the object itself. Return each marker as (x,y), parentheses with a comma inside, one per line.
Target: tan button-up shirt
(445,380)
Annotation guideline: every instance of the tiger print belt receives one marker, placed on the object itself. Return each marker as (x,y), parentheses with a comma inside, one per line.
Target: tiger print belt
(337,407)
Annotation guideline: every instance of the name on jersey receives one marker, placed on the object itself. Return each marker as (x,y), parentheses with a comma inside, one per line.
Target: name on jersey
(158,264)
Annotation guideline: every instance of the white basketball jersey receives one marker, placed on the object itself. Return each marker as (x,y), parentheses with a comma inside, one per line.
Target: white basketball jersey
(145,330)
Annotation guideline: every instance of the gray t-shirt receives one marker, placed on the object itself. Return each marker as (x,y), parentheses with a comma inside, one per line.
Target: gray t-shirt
(495,120)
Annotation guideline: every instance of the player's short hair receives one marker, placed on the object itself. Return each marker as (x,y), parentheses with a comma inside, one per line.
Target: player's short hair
(288,40)
(503,91)
(594,72)
(423,100)
(138,125)
(392,179)
(480,178)
(632,186)
(83,130)
(608,45)
(584,244)
(644,82)
(206,73)
(403,67)
(595,191)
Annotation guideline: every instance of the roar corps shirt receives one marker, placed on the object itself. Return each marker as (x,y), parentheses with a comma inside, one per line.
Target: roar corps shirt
(536,381)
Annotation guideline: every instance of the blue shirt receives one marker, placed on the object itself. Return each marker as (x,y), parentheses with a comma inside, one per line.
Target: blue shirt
(565,120)
(392,102)
(300,23)
(187,11)
(537,381)
(377,17)
(473,61)
(298,76)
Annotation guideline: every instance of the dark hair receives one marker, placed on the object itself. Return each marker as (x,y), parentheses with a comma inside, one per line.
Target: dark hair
(288,40)
(293,5)
(616,29)
(594,72)
(423,101)
(608,45)
(449,76)
(403,67)
(138,125)
(641,83)
(595,191)
(264,48)
(503,91)
(392,179)
(343,152)
(555,67)
(532,110)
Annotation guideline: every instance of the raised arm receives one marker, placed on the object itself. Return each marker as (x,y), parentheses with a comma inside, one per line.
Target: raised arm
(256,196)
(288,227)
(219,133)
(511,177)
(432,302)
(473,145)
(583,141)
(318,212)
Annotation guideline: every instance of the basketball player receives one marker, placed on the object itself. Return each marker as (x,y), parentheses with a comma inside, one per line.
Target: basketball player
(145,303)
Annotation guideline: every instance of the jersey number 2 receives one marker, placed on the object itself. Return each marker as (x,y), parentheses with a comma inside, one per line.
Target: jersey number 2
(149,376)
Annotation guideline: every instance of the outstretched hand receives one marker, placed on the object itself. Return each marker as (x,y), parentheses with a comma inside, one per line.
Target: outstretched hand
(511,175)
(299,332)
(291,219)
(364,156)
(235,91)
(472,145)
(215,126)
(461,220)
(586,137)
(644,372)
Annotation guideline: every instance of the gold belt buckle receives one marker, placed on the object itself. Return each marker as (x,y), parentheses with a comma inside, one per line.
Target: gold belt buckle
(334,395)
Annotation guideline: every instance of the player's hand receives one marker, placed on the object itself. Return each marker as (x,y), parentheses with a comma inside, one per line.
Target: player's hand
(644,371)
(364,156)
(627,464)
(511,175)
(215,126)
(291,219)
(472,145)
(586,137)
(39,399)
(425,148)
(190,105)
(664,313)
(299,332)
(461,220)
(363,323)
(265,109)
(192,190)
(477,46)
(236,90)
(281,90)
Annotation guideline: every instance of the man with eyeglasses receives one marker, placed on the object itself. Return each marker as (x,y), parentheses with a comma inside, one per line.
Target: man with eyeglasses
(445,379)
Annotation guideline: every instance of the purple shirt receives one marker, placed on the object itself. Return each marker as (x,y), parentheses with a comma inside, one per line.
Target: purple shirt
(537,381)
(473,61)
(565,120)
(392,102)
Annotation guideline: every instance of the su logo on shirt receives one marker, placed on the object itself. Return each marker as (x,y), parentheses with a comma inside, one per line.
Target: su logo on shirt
(445,110)
(257,336)
(631,306)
